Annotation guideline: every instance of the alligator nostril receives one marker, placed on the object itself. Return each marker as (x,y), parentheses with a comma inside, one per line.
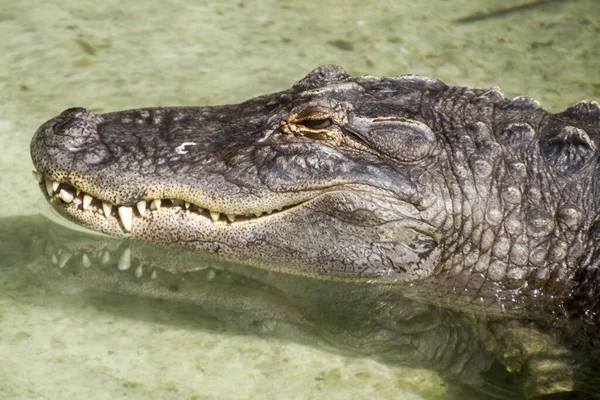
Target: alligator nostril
(76,134)
(76,128)
(79,113)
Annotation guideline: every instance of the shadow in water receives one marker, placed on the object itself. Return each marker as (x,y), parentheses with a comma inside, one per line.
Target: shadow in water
(481,356)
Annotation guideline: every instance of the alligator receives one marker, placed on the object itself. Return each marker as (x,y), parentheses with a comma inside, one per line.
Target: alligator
(457,196)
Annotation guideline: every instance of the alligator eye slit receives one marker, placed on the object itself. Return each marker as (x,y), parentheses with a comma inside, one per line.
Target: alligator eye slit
(317,123)
(68,195)
(313,118)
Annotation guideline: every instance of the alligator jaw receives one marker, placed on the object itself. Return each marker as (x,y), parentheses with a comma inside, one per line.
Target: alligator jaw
(388,225)
(84,208)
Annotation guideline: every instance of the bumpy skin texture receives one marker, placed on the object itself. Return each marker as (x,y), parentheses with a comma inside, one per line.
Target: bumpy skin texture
(456,193)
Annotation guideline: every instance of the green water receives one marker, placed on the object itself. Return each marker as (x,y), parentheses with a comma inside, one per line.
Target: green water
(111,55)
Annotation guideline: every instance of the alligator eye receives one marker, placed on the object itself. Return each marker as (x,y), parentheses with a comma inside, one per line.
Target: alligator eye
(313,118)
(321,123)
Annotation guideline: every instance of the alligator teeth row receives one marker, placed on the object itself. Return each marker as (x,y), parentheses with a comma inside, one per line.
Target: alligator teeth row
(121,259)
(124,263)
(69,194)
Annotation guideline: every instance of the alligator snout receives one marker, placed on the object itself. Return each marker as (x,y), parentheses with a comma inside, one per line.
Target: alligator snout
(74,133)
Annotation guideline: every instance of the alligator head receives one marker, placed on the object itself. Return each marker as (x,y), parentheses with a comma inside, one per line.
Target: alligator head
(401,177)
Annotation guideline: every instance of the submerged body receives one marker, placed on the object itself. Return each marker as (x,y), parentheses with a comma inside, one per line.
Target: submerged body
(459,195)
(353,318)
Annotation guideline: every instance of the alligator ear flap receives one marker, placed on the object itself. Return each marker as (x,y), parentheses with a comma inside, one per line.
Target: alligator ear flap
(403,139)
(322,76)
(570,150)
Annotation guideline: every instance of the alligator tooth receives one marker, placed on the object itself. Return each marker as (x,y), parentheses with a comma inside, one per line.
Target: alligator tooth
(230,217)
(49,189)
(105,257)
(269,212)
(66,196)
(107,208)
(55,186)
(139,271)
(156,203)
(210,275)
(85,260)
(38,176)
(54,259)
(77,191)
(125,260)
(141,206)
(87,199)
(126,215)
(257,214)
(187,205)
(153,275)
(214,216)
(63,259)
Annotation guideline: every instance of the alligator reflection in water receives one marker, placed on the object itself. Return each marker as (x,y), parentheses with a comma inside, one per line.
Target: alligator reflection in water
(362,319)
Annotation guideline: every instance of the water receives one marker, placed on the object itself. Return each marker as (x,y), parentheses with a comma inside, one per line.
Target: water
(61,341)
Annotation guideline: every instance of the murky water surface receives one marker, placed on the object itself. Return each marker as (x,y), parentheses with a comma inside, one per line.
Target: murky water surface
(78,322)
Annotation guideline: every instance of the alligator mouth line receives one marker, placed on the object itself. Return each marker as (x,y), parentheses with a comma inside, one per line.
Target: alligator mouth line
(70,195)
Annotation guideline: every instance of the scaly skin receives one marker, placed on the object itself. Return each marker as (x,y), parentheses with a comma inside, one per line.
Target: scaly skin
(458,194)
